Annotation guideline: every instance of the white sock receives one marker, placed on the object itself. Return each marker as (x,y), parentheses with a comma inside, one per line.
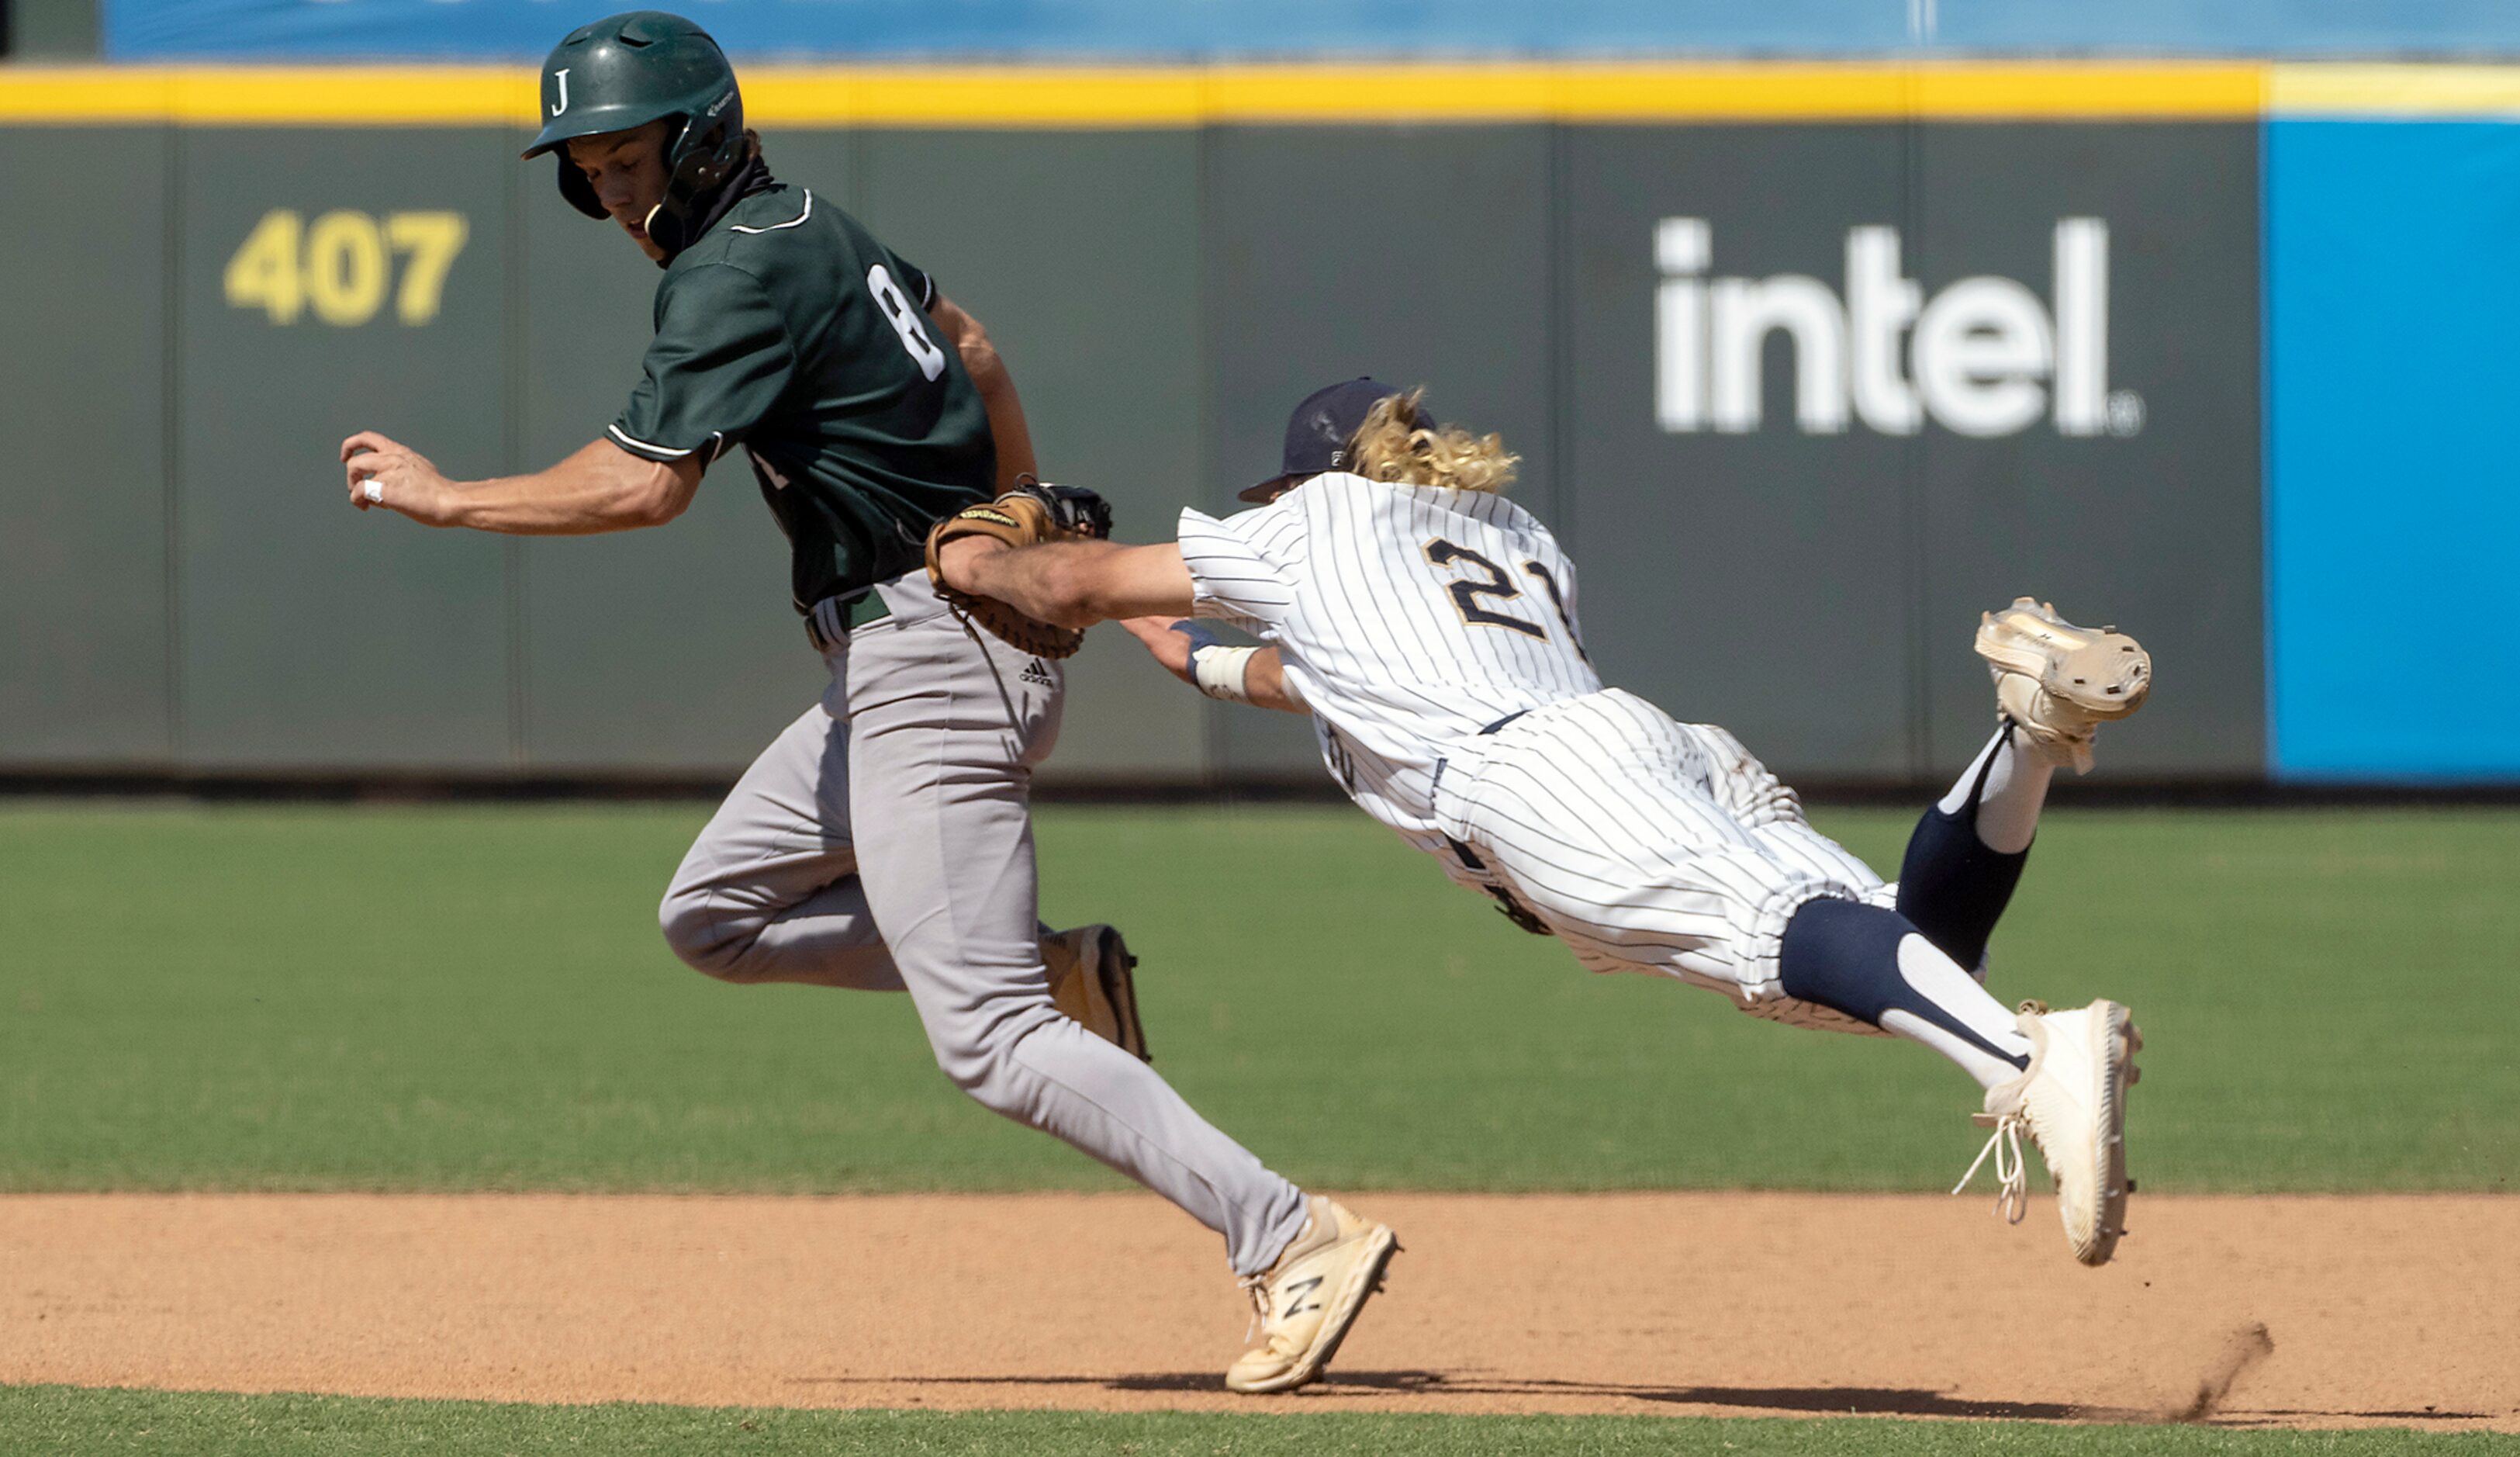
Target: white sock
(1939,980)
(2010,778)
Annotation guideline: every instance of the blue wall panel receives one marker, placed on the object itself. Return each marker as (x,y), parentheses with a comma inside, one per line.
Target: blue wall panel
(1172,29)
(2394,488)
(1021,28)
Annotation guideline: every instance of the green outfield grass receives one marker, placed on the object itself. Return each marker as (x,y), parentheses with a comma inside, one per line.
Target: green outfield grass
(477,998)
(58,1419)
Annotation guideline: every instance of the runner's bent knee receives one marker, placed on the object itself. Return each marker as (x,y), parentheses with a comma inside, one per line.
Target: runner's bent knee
(705,941)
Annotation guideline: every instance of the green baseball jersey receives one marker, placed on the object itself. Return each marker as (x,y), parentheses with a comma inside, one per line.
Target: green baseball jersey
(786,329)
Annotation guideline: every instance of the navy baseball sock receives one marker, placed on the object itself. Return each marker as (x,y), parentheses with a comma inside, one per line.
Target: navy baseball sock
(1875,965)
(1966,855)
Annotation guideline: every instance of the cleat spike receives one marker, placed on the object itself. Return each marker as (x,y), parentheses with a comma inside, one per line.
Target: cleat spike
(2056,681)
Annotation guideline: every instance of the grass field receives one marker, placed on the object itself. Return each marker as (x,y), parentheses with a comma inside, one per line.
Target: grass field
(56,1419)
(479,999)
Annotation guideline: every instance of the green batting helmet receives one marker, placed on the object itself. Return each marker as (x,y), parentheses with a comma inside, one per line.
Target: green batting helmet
(632,68)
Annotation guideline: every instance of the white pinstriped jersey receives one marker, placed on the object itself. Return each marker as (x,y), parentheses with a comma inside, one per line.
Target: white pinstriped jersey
(1409,618)
(1413,622)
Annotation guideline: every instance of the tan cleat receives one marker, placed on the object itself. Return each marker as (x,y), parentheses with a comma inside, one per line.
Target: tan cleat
(2058,681)
(1090,980)
(1307,1300)
(2072,1102)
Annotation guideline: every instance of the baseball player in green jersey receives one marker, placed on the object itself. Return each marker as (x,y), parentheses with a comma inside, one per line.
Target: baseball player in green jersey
(884,841)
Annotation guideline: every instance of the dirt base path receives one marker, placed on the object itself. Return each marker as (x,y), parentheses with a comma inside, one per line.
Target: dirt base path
(2373,1310)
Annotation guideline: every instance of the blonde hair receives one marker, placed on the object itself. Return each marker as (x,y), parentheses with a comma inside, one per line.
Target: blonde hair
(1399,444)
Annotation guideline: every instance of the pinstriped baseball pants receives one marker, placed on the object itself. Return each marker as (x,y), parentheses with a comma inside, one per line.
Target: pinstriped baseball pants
(1649,845)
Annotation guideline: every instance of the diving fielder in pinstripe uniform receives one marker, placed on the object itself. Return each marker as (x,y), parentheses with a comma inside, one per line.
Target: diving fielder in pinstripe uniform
(1429,627)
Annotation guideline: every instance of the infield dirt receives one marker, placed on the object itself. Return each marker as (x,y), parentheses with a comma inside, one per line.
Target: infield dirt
(2282,1311)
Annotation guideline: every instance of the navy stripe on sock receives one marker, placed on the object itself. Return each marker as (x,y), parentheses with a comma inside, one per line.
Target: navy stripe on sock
(1953,889)
(1952,886)
(1845,955)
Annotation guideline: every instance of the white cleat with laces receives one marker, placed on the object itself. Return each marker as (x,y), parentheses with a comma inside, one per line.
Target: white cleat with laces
(2072,1103)
(1306,1301)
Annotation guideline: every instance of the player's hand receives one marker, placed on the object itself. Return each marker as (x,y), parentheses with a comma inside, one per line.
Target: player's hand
(1074,510)
(384,471)
(1171,640)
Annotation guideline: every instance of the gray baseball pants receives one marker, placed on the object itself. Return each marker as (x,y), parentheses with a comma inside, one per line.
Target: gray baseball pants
(883,842)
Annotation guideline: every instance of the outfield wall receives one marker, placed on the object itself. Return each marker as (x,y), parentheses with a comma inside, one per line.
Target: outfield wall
(1808,363)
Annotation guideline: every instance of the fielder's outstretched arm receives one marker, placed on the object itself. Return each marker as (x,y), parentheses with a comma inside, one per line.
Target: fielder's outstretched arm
(1147,588)
(603,487)
(1190,652)
(1072,583)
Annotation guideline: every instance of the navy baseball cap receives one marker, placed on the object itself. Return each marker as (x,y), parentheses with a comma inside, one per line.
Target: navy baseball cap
(1318,432)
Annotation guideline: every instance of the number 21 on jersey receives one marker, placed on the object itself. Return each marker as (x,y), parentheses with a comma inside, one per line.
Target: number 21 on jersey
(906,322)
(1480,578)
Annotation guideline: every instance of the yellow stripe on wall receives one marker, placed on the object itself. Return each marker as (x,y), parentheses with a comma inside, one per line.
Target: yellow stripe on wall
(1319,93)
(968,95)
(2159,92)
(2405,91)
(1159,97)
(1155,97)
(269,96)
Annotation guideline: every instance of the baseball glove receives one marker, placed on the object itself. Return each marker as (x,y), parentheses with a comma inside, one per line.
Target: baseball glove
(1030,513)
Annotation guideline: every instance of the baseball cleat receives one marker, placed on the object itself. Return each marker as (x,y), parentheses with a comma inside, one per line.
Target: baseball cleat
(1090,980)
(2072,1102)
(2060,682)
(1306,1301)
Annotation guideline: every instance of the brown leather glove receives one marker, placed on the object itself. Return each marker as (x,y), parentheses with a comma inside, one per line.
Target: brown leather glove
(1030,513)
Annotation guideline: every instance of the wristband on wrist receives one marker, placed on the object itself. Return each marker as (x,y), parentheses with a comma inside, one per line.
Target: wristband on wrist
(1223,673)
(1218,679)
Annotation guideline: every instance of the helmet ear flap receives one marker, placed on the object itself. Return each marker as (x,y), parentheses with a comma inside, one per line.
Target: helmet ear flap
(574,186)
(703,157)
